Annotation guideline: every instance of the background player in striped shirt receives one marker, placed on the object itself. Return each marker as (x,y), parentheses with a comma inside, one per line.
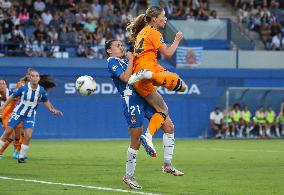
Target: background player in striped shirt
(30,94)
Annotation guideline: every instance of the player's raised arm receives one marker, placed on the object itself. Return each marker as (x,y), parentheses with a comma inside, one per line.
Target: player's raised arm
(128,72)
(168,52)
(49,106)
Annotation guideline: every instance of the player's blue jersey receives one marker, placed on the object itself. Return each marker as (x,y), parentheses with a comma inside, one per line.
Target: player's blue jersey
(135,107)
(29,99)
(117,66)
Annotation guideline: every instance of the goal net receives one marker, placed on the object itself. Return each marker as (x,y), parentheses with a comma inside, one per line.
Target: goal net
(253,97)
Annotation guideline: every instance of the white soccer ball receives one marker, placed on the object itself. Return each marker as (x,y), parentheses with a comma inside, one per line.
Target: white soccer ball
(85,85)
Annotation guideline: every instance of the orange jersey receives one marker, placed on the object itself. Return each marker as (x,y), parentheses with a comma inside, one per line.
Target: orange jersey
(148,42)
(7,111)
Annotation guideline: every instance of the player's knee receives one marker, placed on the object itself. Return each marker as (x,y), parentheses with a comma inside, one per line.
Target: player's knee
(184,87)
(181,86)
(164,115)
(169,128)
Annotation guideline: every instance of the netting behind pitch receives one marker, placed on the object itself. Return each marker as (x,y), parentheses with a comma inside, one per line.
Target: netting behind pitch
(253,97)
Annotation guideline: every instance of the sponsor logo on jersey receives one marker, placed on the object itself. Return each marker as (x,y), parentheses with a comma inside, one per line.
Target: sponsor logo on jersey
(133,119)
(114,67)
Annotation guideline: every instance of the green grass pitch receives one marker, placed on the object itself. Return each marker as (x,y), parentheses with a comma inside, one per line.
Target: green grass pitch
(218,167)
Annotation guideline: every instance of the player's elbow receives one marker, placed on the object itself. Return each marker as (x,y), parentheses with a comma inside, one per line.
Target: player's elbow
(124,78)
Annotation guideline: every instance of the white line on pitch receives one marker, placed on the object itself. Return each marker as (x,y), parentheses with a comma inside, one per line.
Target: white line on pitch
(239,150)
(77,185)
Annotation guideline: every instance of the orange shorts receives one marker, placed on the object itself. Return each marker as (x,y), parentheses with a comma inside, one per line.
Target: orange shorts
(146,87)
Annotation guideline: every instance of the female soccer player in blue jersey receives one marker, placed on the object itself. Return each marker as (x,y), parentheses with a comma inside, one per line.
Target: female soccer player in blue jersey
(30,94)
(135,110)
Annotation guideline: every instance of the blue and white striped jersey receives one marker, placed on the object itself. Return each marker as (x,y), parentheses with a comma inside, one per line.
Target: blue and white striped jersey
(29,99)
(117,66)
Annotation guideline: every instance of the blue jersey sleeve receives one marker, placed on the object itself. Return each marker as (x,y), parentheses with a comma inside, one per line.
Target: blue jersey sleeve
(115,68)
(19,91)
(43,97)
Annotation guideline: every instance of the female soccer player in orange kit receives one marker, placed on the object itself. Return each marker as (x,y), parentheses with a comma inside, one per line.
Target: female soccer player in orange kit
(148,73)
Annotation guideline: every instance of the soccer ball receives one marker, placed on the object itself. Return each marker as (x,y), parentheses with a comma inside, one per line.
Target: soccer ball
(85,85)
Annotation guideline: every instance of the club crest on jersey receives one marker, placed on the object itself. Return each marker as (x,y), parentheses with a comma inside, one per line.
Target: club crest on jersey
(114,67)
(133,119)
(162,40)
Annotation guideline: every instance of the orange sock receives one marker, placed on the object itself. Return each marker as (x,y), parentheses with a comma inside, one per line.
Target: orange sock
(19,143)
(6,144)
(156,122)
(169,81)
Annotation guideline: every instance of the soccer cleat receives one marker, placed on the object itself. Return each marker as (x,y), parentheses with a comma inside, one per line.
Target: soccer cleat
(138,76)
(131,182)
(148,146)
(16,154)
(22,160)
(172,170)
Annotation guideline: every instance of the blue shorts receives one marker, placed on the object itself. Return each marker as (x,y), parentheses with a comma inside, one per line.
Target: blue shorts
(15,119)
(135,110)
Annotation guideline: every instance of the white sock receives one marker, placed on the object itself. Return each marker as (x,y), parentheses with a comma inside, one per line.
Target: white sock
(277,132)
(251,128)
(130,161)
(1,143)
(260,131)
(24,151)
(148,135)
(168,145)
(267,131)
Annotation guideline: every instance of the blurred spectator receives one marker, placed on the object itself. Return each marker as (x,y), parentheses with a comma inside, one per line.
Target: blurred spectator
(84,6)
(39,6)
(7,28)
(213,15)
(246,119)
(119,35)
(217,123)
(1,15)
(237,121)
(169,9)
(52,33)
(179,12)
(97,8)
(5,4)
(56,21)
(228,122)
(190,15)
(50,6)
(259,119)
(40,34)
(277,42)
(68,16)
(24,16)
(276,11)
(270,117)
(46,17)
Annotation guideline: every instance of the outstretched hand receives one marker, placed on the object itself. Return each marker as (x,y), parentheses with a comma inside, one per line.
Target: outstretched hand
(179,36)
(57,112)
